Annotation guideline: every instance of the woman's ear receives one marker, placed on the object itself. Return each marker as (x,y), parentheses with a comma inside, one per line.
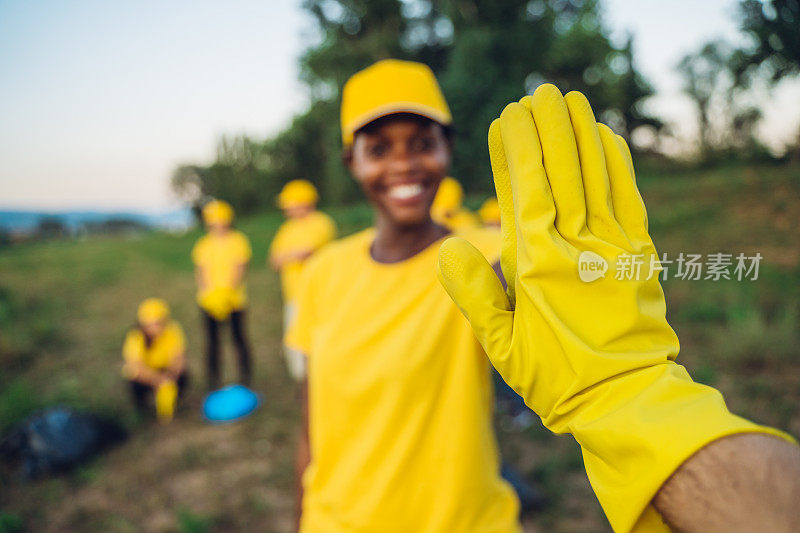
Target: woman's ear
(347,157)
(449,144)
(447,135)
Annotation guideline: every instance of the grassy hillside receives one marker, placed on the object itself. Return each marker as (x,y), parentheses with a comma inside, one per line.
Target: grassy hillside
(65,306)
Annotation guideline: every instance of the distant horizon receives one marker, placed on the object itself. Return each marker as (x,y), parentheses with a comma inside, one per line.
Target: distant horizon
(27,220)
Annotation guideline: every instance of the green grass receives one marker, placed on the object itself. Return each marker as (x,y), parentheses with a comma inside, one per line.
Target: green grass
(65,307)
(10,523)
(190,522)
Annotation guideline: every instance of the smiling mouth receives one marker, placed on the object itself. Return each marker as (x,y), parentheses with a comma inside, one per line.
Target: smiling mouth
(405,191)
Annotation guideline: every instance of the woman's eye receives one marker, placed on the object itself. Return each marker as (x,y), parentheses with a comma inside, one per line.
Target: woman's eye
(422,144)
(377,150)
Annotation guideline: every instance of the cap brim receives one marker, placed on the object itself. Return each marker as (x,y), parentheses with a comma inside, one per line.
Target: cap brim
(400,107)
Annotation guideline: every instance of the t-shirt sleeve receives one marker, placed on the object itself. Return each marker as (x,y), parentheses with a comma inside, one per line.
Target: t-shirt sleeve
(197,253)
(494,240)
(487,240)
(245,252)
(276,246)
(133,347)
(329,231)
(301,327)
(179,340)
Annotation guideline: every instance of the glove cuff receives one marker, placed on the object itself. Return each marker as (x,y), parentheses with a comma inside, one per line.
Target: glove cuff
(652,420)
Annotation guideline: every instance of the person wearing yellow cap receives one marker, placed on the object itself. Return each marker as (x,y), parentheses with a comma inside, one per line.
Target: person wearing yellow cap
(398,399)
(304,232)
(448,206)
(221,257)
(154,356)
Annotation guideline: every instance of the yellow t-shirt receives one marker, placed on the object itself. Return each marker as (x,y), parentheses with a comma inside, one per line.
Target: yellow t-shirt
(219,256)
(161,352)
(459,220)
(300,235)
(400,399)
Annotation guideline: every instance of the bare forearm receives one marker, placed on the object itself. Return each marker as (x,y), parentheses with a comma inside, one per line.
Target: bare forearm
(200,278)
(177,366)
(238,275)
(302,459)
(745,482)
(146,376)
(280,260)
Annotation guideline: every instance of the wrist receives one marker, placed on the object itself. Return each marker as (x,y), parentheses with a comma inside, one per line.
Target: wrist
(636,429)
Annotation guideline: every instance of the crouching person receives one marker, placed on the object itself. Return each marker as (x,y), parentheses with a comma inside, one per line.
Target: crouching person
(155,359)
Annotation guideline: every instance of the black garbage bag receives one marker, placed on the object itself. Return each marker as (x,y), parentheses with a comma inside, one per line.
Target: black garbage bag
(57,439)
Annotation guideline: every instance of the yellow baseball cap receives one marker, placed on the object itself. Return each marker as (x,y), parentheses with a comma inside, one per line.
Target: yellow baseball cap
(152,310)
(387,87)
(296,193)
(217,212)
(449,196)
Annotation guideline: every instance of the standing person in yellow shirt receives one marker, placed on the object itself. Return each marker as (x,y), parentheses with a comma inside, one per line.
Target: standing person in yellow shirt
(448,207)
(221,257)
(305,231)
(490,213)
(155,358)
(398,431)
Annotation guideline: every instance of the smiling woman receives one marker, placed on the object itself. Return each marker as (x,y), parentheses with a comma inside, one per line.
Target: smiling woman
(398,403)
(399,161)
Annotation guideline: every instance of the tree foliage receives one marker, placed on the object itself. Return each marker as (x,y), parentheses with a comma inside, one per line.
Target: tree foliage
(774,29)
(726,117)
(718,77)
(485,54)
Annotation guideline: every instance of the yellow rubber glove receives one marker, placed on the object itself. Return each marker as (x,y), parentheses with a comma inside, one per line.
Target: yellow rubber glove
(592,358)
(166,397)
(218,302)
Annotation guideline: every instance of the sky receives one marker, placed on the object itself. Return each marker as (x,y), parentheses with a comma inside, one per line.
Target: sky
(100,101)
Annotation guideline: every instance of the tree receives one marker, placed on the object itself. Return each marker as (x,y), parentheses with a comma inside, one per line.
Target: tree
(237,175)
(702,73)
(503,50)
(189,185)
(773,27)
(51,227)
(485,54)
(726,120)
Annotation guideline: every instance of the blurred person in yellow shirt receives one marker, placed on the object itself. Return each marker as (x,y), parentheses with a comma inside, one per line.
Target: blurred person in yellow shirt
(154,356)
(304,232)
(490,213)
(221,257)
(448,207)
(398,430)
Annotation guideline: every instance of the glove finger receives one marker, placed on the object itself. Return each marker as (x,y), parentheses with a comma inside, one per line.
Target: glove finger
(534,210)
(626,151)
(599,209)
(478,293)
(502,186)
(560,159)
(628,205)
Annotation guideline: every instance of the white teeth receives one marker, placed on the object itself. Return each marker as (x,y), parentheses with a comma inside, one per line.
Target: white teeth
(405,191)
